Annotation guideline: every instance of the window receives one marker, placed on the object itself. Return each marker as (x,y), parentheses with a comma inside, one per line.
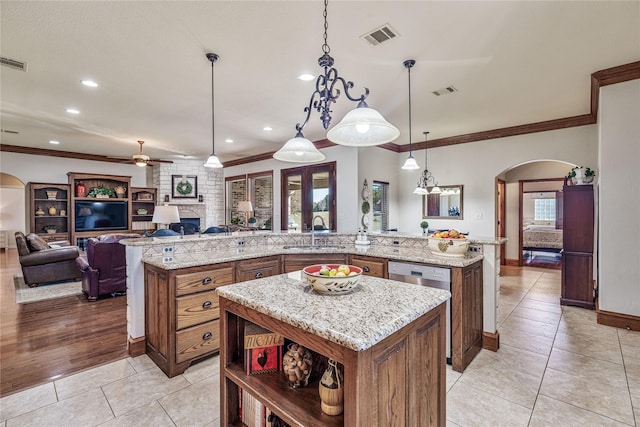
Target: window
(380,195)
(257,188)
(544,209)
(309,198)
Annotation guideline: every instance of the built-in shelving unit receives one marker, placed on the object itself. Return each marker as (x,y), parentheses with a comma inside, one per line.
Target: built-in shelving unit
(48,209)
(143,202)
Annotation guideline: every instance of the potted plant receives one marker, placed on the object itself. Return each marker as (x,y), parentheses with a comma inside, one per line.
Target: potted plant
(424,225)
(51,229)
(101,192)
(581,175)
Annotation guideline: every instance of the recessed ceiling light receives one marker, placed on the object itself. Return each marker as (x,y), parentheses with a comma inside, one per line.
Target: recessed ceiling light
(306,77)
(90,83)
(53,141)
(72,111)
(229,141)
(267,128)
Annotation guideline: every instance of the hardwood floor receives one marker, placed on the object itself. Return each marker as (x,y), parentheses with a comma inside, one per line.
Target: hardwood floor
(47,340)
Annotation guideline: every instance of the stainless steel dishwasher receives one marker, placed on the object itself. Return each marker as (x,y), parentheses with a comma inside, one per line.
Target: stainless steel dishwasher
(424,275)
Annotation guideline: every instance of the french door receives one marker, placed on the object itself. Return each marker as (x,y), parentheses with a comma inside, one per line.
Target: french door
(308,198)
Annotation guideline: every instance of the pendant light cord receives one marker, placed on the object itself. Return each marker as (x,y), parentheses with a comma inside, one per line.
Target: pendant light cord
(409,68)
(325,46)
(213,58)
(426,147)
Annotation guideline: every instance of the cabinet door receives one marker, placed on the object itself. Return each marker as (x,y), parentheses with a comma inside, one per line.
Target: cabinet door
(577,280)
(371,266)
(250,269)
(578,222)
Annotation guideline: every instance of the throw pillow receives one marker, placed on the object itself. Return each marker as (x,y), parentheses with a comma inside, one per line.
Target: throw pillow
(36,243)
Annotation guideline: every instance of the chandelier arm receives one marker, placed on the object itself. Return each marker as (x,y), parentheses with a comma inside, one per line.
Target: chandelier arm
(308,109)
(349,85)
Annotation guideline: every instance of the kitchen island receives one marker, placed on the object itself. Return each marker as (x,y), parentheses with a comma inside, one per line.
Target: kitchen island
(388,336)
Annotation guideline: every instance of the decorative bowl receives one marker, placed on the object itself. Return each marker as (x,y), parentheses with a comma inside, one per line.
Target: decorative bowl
(331,285)
(448,246)
(141,211)
(51,195)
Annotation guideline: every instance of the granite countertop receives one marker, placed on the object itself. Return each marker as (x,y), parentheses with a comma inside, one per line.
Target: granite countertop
(373,311)
(226,254)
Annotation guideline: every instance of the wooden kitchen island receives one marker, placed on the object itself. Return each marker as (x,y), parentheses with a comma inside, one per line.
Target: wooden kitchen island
(388,336)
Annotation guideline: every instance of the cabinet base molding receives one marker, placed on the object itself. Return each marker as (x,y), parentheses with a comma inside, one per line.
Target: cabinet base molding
(618,320)
(512,262)
(136,346)
(578,303)
(491,341)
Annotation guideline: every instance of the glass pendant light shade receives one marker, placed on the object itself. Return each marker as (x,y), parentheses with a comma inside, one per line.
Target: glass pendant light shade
(410,163)
(363,127)
(421,191)
(436,190)
(299,150)
(213,162)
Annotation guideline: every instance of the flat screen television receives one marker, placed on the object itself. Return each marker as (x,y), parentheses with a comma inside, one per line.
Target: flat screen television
(100,215)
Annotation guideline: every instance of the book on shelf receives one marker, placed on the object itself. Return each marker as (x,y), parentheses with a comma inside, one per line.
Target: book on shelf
(263,350)
(252,412)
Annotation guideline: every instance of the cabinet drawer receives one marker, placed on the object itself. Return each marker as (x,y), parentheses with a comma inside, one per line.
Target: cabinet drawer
(256,268)
(190,283)
(198,308)
(196,341)
(370,266)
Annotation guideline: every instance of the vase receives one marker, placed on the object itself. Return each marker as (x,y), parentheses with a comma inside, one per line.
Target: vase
(331,390)
(81,190)
(296,365)
(52,210)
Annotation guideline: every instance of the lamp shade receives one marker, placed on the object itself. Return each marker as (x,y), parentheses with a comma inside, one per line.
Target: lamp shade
(245,206)
(298,150)
(410,163)
(421,191)
(363,127)
(213,162)
(165,215)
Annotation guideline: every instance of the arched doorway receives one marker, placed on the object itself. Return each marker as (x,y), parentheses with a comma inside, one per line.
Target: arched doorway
(12,207)
(519,180)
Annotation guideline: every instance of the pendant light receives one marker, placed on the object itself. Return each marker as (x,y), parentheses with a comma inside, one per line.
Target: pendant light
(410,163)
(426,177)
(212,161)
(361,127)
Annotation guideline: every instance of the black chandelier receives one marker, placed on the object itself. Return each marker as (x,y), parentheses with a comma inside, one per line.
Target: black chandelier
(361,127)
(426,177)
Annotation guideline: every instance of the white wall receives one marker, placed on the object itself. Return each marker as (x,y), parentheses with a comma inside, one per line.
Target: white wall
(619,198)
(476,165)
(348,191)
(12,212)
(378,164)
(30,168)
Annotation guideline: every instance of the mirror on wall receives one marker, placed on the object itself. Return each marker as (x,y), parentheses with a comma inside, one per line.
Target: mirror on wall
(445,205)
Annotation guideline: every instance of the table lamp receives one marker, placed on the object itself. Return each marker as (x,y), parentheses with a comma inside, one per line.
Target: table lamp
(245,206)
(165,215)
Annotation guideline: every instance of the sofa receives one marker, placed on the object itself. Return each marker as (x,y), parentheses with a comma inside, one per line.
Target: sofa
(43,262)
(104,267)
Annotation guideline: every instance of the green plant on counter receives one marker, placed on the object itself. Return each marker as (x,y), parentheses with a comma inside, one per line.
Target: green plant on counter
(101,191)
(236,221)
(424,224)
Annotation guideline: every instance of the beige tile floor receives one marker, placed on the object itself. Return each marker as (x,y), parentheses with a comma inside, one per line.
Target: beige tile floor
(556,367)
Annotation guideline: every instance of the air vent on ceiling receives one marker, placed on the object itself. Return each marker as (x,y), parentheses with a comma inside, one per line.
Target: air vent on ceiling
(12,63)
(10,131)
(445,91)
(379,35)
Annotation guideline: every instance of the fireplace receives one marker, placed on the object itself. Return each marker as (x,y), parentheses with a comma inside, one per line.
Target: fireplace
(190,225)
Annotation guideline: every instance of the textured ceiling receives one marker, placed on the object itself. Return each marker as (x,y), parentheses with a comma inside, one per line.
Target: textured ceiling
(513,63)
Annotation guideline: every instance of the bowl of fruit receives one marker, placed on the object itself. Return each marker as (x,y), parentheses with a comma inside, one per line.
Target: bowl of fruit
(448,243)
(332,279)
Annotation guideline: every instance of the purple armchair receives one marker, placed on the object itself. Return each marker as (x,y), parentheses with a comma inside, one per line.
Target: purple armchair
(104,269)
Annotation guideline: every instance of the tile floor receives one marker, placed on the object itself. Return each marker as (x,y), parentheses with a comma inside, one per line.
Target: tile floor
(556,367)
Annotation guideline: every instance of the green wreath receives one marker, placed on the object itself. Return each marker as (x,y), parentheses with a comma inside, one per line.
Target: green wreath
(184,188)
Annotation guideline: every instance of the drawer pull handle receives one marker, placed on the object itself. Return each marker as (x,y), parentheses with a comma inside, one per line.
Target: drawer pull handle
(366,269)
(206,280)
(206,304)
(258,275)
(207,336)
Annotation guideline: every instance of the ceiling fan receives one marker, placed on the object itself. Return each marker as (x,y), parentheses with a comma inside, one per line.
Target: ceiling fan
(143,160)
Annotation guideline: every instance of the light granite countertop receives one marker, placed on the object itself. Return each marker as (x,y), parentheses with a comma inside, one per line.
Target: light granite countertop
(358,320)
(226,254)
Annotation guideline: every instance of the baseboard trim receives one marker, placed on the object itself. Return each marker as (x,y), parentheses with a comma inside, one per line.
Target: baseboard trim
(491,341)
(512,262)
(136,346)
(618,320)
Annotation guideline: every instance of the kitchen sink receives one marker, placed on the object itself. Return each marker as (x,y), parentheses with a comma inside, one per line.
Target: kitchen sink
(314,247)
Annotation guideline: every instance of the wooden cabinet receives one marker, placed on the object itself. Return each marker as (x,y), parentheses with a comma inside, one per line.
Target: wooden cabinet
(578,242)
(48,209)
(371,266)
(466,314)
(143,202)
(182,314)
(256,268)
(295,262)
(384,385)
(91,213)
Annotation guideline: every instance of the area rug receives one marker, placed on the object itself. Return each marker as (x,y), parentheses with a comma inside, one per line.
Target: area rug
(25,294)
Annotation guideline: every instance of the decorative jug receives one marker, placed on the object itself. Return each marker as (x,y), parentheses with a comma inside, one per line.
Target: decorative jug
(52,210)
(39,211)
(120,191)
(331,390)
(81,189)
